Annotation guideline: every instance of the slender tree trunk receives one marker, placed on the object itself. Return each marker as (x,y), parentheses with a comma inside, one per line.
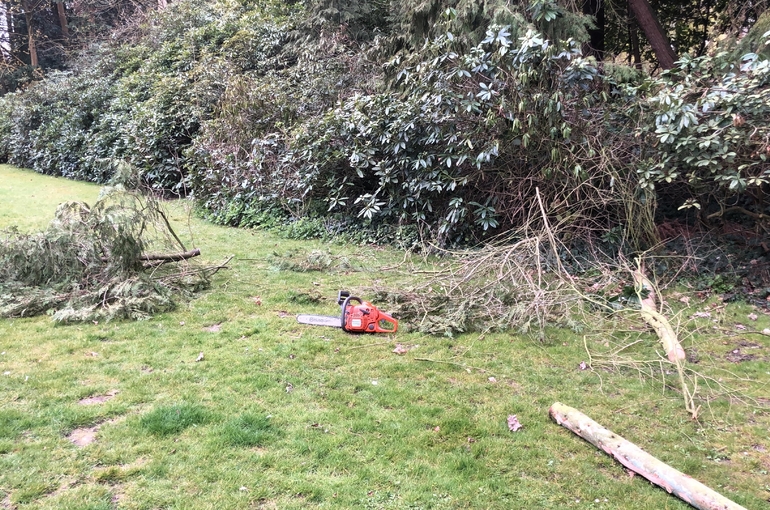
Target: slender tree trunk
(648,22)
(9,33)
(634,50)
(706,24)
(30,34)
(595,47)
(5,37)
(65,31)
(16,41)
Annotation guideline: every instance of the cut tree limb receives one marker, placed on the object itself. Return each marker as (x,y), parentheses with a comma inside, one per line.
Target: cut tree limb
(657,320)
(641,462)
(173,257)
(158,259)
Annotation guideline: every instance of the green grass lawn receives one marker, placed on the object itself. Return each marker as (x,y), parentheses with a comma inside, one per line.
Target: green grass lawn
(282,415)
(29,201)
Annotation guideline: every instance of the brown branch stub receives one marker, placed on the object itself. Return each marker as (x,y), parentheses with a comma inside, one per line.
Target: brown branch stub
(637,460)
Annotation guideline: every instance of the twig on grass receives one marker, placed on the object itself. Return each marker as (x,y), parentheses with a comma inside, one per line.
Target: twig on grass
(367,345)
(465,367)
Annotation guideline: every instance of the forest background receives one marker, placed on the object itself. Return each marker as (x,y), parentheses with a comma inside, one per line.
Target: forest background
(416,123)
(574,132)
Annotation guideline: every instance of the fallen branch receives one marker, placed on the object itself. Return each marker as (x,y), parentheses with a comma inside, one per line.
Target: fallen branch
(666,334)
(158,259)
(657,320)
(365,346)
(173,257)
(466,367)
(742,210)
(641,462)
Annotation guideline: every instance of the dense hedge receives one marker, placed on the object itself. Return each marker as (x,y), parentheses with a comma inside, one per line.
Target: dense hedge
(272,113)
(142,102)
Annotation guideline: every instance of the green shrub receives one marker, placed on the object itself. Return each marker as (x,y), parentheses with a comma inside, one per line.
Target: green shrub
(461,141)
(707,133)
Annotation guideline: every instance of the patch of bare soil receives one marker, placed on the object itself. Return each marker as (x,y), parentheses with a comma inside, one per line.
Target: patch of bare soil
(739,354)
(97,399)
(83,437)
(6,503)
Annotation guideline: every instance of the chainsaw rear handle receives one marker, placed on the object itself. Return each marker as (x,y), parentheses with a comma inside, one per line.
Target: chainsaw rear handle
(384,318)
(363,317)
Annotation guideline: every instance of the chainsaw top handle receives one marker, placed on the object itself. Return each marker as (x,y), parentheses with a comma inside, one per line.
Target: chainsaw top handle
(344,300)
(363,317)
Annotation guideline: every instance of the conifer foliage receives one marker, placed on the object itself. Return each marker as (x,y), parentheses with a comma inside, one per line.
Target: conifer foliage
(92,263)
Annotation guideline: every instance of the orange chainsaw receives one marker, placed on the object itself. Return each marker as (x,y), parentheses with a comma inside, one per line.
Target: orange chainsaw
(361,318)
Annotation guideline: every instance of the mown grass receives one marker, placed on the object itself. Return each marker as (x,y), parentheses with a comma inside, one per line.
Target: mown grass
(282,415)
(30,202)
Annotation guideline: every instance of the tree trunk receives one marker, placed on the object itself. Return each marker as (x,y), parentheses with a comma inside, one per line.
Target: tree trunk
(657,38)
(65,31)
(595,46)
(641,462)
(635,53)
(5,34)
(30,34)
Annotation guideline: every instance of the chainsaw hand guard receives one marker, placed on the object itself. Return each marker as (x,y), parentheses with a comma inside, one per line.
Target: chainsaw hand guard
(364,317)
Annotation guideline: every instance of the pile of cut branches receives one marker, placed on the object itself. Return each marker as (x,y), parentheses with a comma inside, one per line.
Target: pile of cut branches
(515,284)
(119,259)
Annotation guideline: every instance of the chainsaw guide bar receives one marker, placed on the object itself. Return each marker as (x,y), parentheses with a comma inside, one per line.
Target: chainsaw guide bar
(320,320)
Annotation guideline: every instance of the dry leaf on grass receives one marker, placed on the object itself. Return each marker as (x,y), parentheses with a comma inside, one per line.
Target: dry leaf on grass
(400,349)
(752,316)
(513,423)
(200,357)
(214,328)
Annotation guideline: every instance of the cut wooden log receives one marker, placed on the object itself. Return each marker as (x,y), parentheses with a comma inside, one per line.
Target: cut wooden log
(641,462)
